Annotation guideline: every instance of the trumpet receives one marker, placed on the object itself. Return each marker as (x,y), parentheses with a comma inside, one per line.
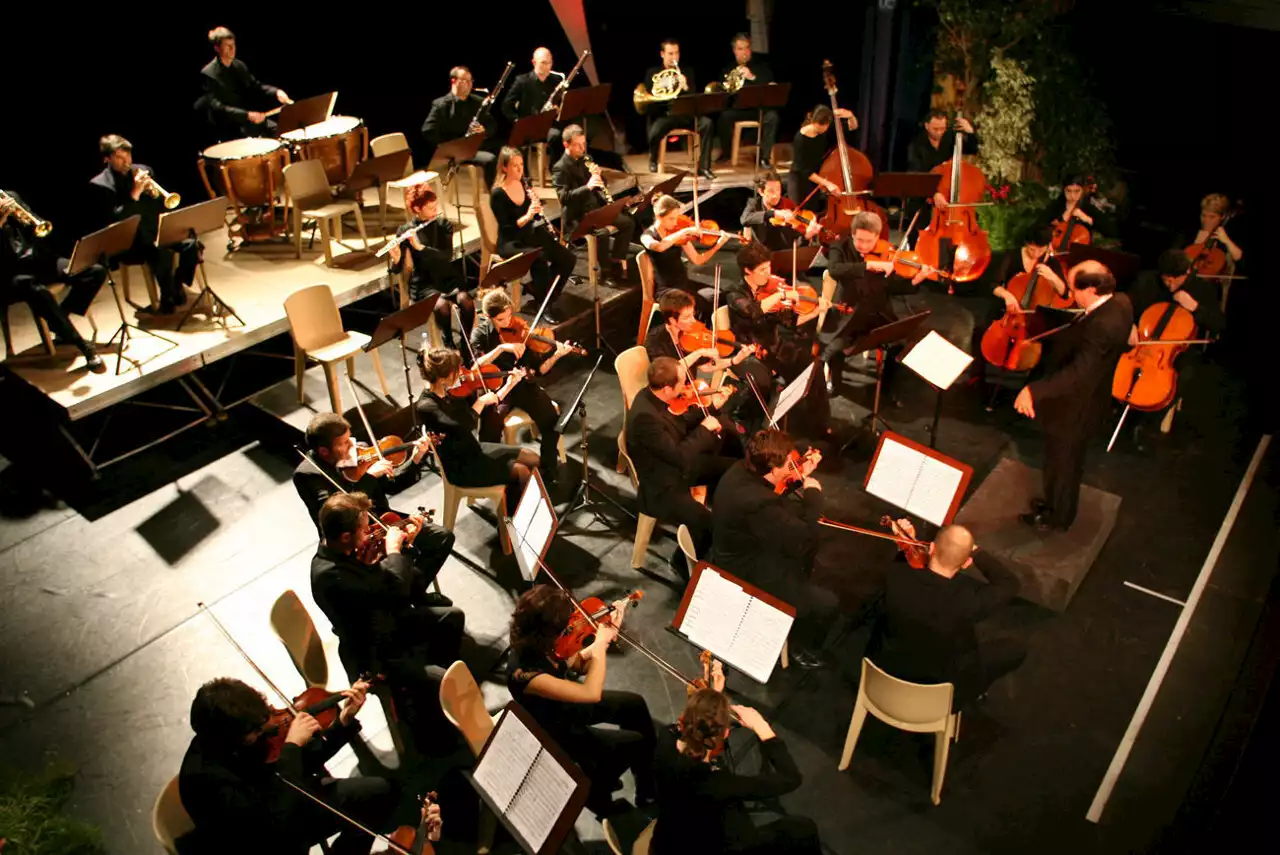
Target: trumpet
(665,87)
(734,79)
(595,170)
(153,189)
(39,226)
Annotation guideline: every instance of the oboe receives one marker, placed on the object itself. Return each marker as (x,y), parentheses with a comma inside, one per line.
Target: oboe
(595,170)
(539,219)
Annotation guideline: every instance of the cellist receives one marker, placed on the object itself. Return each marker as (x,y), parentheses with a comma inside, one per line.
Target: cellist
(1074,204)
(809,151)
(1213,212)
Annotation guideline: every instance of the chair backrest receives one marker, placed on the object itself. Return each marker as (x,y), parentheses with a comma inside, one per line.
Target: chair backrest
(488,232)
(906,706)
(390,144)
(721,319)
(463,704)
(611,837)
(641,846)
(632,368)
(828,291)
(625,459)
(169,819)
(645,265)
(685,539)
(313,317)
(297,632)
(781,154)
(307,184)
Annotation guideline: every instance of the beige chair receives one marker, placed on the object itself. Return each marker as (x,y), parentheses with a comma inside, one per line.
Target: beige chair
(463,705)
(169,819)
(640,847)
(313,200)
(317,333)
(907,706)
(518,419)
(41,327)
(781,156)
(489,257)
(648,298)
(389,144)
(736,149)
(829,292)
(720,321)
(632,368)
(453,496)
(148,279)
(687,134)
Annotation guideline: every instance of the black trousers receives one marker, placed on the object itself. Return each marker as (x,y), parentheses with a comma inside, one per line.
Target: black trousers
(816,609)
(556,262)
(790,835)
(679,506)
(659,126)
(369,801)
(990,662)
(30,290)
(533,399)
(1064,453)
(743,404)
(169,282)
(605,754)
(430,550)
(618,246)
(768,131)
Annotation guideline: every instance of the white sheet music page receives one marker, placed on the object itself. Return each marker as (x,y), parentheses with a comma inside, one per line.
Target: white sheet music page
(541,800)
(895,472)
(715,609)
(937,360)
(508,758)
(934,490)
(759,641)
(791,395)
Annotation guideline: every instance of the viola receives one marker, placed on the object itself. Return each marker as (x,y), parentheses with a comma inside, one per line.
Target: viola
(694,396)
(1145,377)
(374,547)
(795,466)
(1210,258)
(471,380)
(316,702)
(417,840)
(699,336)
(709,231)
(963,184)
(391,448)
(581,632)
(905,262)
(540,339)
(850,170)
(705,681)
(1005,343)
(805,301)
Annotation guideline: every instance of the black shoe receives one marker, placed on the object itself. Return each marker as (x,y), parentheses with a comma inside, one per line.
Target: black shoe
(1039,505)
(437,601)
(765,164)
(653,166)
(1040,522)
(806,660)
(94,363)
(707,174)
(548,320)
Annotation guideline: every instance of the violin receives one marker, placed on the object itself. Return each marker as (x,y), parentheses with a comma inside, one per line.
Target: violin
(540,340)
(915,551)
(581,631)
(698,337)
(850,170)
(417,841)
(316,702)
(905,262)
(1209,258)
(693,396)
(374,547)
(795,463)
(1145,377)
(805,301)
(471,380)
(1005,342)
(963,184)
(708,235)
(391,448)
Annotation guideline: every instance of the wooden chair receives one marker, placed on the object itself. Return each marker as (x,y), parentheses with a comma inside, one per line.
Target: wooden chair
(313,200)
(317,333)
(736,149)
(169,819)
(463,705)
(828,291)
(687,134)
(41,327)
(912,707)
(148,279)
(648,298)
(640,847)
(489,257)
(454,494)
(632,368)
(781,156)
(720,322)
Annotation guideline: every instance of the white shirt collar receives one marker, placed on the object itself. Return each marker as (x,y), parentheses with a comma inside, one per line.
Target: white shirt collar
(1104,298)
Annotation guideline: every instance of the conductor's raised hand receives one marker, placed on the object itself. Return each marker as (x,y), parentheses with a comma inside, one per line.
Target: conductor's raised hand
(1024,404)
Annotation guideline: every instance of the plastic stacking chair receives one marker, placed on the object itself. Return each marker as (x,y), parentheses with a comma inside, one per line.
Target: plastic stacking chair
(454,494)
(313,200)
(463,705)
(736,148)
(632,368)
(648,298)
(517,419)
(687,134)
(169,819)
(316,327)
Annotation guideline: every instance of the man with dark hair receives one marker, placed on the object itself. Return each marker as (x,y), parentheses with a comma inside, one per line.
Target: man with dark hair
(331,461)
(659,120)
(934,145)
(233,97)
(925,631)
(753,71)
(125,188)
(383,622)
(769,538)
(527,94)
(580,190)
(1174,281)
(678,317)
(454,116)
(1078,366)
(765,205)
(229,788)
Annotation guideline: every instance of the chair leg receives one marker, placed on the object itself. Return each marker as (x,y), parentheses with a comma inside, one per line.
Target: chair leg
(337,228)
(785,659)
(46,338)
(851,738)
(153,290)
(299,370)
(297,232)
(335,391)
(452,498)
(377,368)
(8,334)
(364,236)
(736,147)
(644,530)
(325,240)
(941,748)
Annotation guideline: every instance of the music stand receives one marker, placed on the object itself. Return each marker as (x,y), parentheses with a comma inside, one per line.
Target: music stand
(761,97)
(585,102)
(376,172)
(781,260)
(938,362)
(594,221)
(662,188)
(582,496)
(531,129)
(188,224)
(308,111)
(455,153)
(396,325)
(880,339)
(511,270)
(698,106)
(903,186)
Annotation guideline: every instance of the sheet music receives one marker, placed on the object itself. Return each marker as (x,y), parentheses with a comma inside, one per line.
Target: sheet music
(914,481)
(758,644)
(714,612)
(934,490)
(534,523)
(791,395)
(507,760)
(937,360)
(541,800)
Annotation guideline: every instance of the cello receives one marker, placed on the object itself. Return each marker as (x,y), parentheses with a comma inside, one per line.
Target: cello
(1210,258)
(1005,343)
(848,169)
(1069,229)
(963,184)
(1145,378)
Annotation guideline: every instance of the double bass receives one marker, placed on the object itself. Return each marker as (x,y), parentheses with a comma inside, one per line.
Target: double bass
(1005,343)
(850,170)
(963,184)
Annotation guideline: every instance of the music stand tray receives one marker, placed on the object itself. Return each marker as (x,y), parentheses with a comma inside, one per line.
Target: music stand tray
(189,223)
(308,111)
(586,101)
(662,188)
(376,171)
(599,219)
(531,129)
(511,270)
(761,97)
(880,338)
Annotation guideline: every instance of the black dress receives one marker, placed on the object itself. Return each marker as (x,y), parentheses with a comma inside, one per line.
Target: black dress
(806,159)
(556,260)
(668,266)
(467,461)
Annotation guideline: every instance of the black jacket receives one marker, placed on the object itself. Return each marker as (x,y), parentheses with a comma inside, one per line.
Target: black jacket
(526,95)
(1079,363)
(663,448)
(1149,290)
(570,176)
(450,117)
(313,488)
(756,215)
(923,157)
(230,92)
(369,605)
(112,202)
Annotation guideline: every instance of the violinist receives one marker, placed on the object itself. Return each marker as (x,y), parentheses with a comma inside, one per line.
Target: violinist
(522,226)
(455,115)
(752,71)
(429,260)
(1076,203)
(678,317)
(701,807)
(659,120)
(1213,213)
(1078,366)
(925,630)
(466,460)
(668,245)
(768,204)
(765,530)
(230,790)
(809,151)
(935,144)
(570,709)
(498,314)
(580,190)
(331,452)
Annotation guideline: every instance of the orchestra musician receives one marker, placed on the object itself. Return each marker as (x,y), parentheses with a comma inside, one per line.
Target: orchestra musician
(668,246)
(227,786)
(1078,366)
(1075,202)
(27,269)
(678,317)
(570,709)
(936,143)
(809,151)
(579,188)
(924,631)
(1213,210)
(752,71)
(767,203)
(430,261)
(385,622)
(466,460)
(233,98)
(528,93)
(453,117)
(497,314)
(516,207)
(123,189)
(701,805)
(769,538)
(659,120)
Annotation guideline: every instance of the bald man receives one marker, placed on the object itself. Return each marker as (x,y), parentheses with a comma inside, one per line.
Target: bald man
(1074,388)
(925,632)
(529,92)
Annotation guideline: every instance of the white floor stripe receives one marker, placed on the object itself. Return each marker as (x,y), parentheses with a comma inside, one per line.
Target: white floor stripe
(1175,638)
(1165,597)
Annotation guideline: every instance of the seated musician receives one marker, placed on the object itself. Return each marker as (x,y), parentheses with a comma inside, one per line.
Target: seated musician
(809,152)
(754,72)
(123,189)
(1075,203)
(1173,278)
(517,209)
(579,189)
(769,538)
(1213,210)
(383,622)
(229,788)
(866,285)
(453,117)
(569,709)
(935,144)
(701,806)
(925,629)
(528,94)
(658,119)
(497,314)
(678,317)
(430,261)
(468,462)
(27,268)
(673,453)
(331,461)
(767,203)
(233,99)
(668,246)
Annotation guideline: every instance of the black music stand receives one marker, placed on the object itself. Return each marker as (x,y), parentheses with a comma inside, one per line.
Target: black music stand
(595,221)
(662,188)
(903,186)
(397,325)
(188,224)
(781,260)
(308,111)
(761,97)
(880,339)
(531,129)
(582,500)
(585,102)
(455,153)
(511,270)
(376,172)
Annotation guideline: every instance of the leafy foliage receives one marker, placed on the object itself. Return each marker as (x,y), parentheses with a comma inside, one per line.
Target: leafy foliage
(1017,208)
(1004,123)
(1072,131)
(32,821)
(972,31)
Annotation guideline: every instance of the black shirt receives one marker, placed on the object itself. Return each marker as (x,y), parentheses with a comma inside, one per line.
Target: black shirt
(658,343)
(314,489)
(760,68)
(866,291)
(485,336)
(808,153)
(564,721)
(569,177)
(506,212)
(527,94)
(668,265)
(437,251)
(786,341)
(923,157)
(1149,289)
(776,238)
(450,117)
(113,202)
(231,91)
(20,251)
(369,605)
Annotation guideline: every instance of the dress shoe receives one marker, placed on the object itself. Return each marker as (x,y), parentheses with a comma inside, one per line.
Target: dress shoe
(653,166)
(707,174)
(94,363)
(437,600)
(806,660)
(1040,522)
(765,164)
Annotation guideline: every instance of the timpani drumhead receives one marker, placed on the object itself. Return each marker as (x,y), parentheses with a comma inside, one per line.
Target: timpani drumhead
(238,149)
(332,127)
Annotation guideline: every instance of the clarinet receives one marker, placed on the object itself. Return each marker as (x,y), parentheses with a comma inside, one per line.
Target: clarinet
(604,188)
(538,220)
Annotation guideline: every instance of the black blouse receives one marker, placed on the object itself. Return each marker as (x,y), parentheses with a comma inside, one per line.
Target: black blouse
(668,265)
(787,342)
(809,152)
(562,720)
(464,458)
(507,212)
(437,249)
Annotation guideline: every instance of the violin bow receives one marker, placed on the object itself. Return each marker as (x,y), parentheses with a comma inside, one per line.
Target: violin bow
(763,406)
(896,538)
(373,440)
(254,665)
(541,310)
(394,847)
(697,396)
(372,516)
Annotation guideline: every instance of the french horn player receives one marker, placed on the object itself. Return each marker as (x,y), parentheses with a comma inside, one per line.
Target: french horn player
(747,70)
(663,84)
